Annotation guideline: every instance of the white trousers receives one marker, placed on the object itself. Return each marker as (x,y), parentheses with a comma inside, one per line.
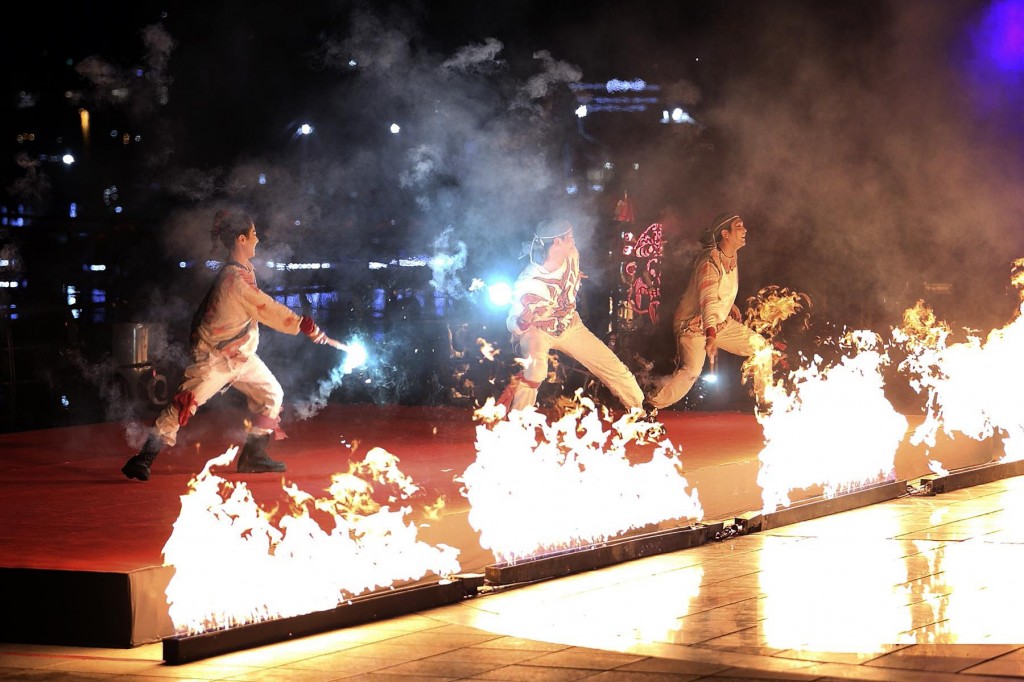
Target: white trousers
(582,345)
(205,378)
(734,337)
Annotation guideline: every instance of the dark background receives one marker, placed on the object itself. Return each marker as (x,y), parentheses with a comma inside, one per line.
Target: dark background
(873,148)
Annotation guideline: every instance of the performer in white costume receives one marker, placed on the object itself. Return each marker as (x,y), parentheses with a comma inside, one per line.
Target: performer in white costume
(225,335)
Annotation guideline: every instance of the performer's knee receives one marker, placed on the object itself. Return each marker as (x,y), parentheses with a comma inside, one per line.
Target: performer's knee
(268,401)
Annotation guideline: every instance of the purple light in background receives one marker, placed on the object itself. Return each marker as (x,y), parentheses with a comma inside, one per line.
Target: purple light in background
(1001,34)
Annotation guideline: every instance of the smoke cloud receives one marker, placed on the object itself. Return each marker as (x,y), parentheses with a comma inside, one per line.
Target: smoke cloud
(861,144)
(865,171)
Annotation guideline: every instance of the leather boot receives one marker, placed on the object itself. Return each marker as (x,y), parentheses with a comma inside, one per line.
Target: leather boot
(138,466)
(254,460)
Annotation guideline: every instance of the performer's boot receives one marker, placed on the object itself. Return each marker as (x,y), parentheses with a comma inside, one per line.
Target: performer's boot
(138,466)
(254,459)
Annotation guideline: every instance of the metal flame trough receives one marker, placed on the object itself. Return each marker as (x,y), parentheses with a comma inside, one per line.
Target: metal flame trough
(966,478)
(188,648)
(598,556)
(756,522)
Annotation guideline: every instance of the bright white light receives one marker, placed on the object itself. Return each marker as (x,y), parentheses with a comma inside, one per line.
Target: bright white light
(351,62)
(680,116)
(262,179)
(298,266)
(500,293)
(304,129)
(581,111)
(182,264)
(616,85)
(97,268)
(477,284)
(572,189)
(375,265)
(355,356)
(68,159)
(711,378)
(395,128)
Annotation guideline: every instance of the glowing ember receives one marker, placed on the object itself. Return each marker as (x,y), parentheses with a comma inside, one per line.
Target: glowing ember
(772,306)
(487,349)
(237,563)
(538,487)
(835,428)
(972,386)
(765,314)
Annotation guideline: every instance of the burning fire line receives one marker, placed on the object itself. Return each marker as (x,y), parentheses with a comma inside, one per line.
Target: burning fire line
(237,563)
(538,487)
(971,386)
(835,428)
(814,420)
(832,426)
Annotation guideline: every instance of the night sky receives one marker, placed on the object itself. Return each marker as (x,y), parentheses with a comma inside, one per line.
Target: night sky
(872,147)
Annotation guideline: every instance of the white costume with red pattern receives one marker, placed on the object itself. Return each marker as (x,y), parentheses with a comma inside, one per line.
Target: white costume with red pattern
(707,303)
(225,335)
(543,317)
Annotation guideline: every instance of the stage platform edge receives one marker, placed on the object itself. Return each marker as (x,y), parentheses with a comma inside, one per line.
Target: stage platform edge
(86,608)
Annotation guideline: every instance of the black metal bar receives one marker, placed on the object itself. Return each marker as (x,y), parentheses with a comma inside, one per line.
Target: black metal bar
(817,508)
(597,556)
(188,648)
(966,478)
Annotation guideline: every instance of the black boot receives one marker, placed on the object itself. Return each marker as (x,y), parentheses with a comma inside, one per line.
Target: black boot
(253,458)
(138,466)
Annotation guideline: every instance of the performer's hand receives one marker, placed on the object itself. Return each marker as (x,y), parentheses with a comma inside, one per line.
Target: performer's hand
(308,327)
(735,314)
(711,348)
(333,343)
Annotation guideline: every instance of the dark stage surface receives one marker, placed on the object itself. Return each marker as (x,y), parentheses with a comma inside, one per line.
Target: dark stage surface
(83,544)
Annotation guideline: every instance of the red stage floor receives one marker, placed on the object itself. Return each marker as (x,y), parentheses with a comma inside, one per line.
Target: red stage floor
(77,533)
